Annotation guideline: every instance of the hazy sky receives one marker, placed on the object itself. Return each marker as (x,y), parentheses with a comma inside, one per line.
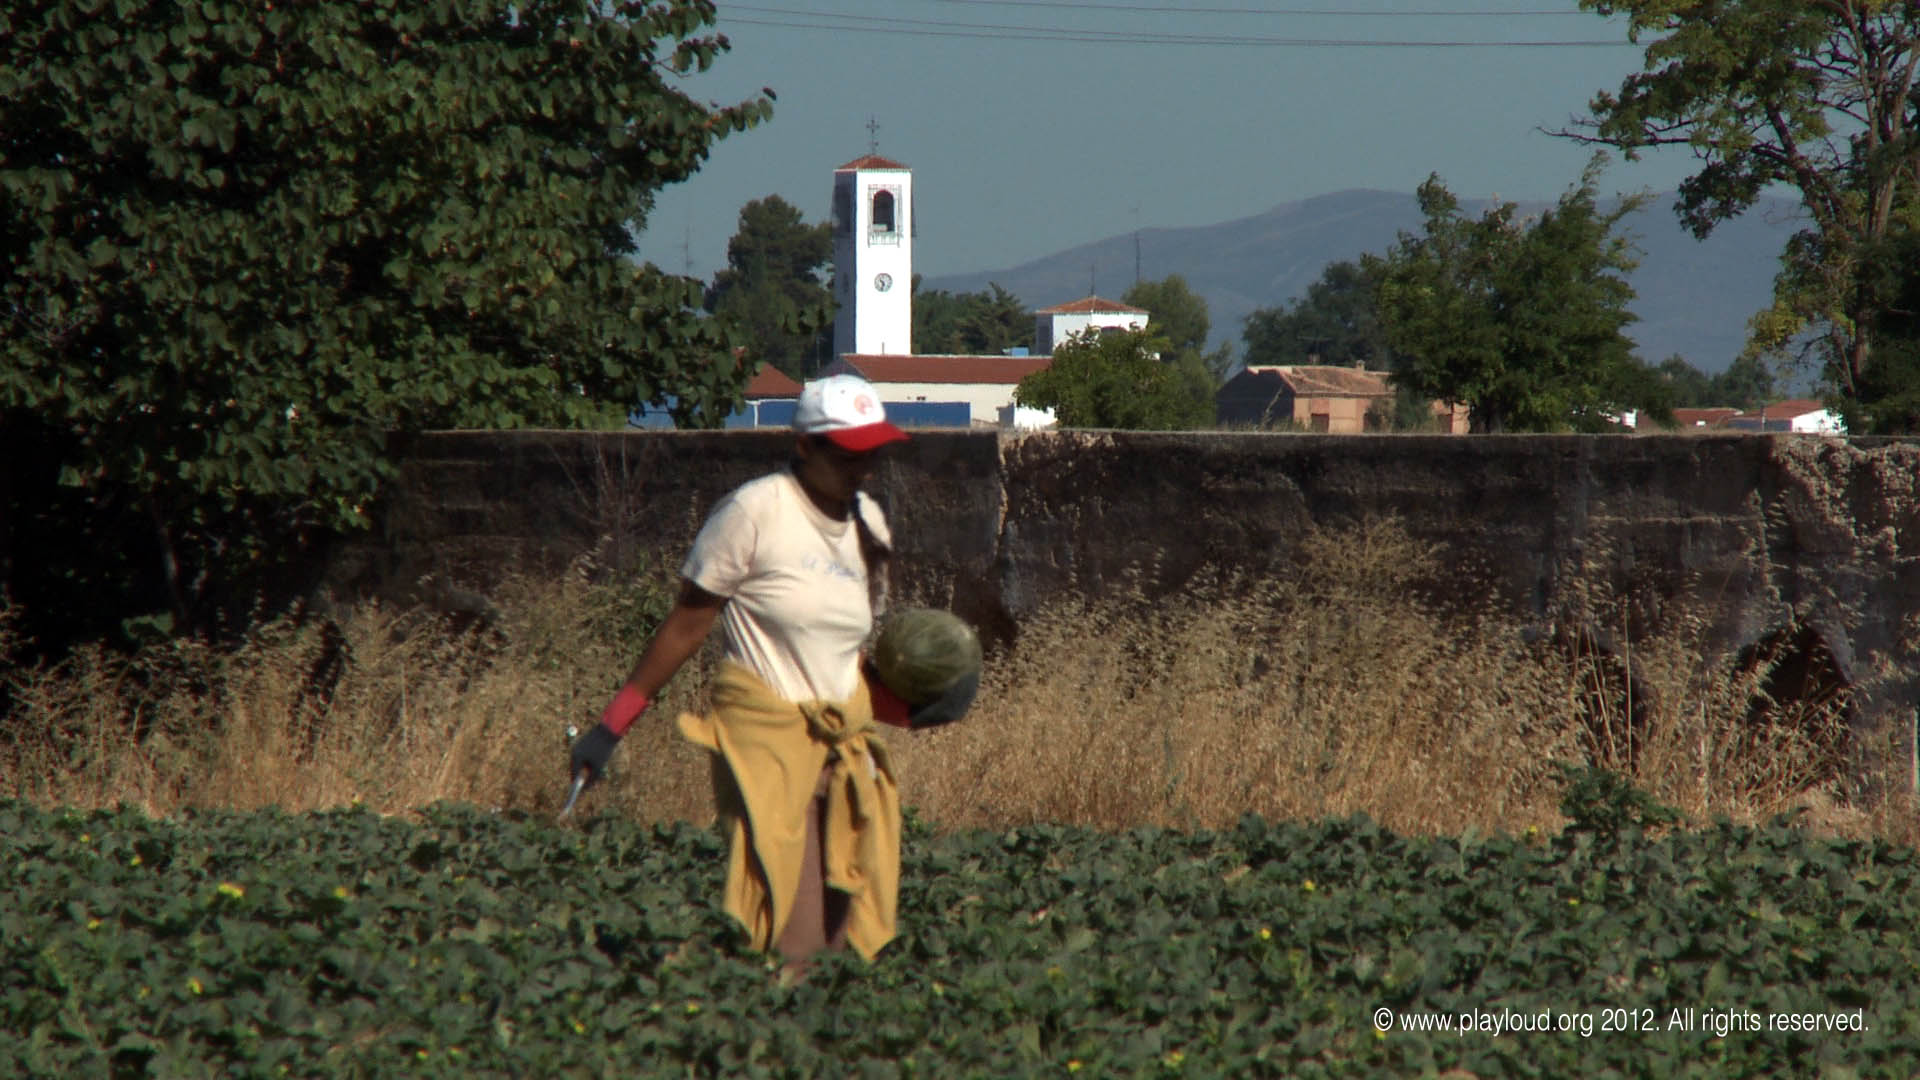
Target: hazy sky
(1035,125)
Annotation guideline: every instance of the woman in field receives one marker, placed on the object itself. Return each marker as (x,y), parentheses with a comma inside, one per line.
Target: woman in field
(791,564)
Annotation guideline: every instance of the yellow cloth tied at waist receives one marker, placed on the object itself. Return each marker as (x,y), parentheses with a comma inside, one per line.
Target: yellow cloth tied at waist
(775,749)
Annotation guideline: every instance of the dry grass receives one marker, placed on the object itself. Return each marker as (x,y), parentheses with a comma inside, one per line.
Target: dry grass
(395,710)
(1333,690)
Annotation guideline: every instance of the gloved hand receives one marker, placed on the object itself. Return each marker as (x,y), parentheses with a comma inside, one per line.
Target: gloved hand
(889,708)
(948,707)
(592,751)
(596,746)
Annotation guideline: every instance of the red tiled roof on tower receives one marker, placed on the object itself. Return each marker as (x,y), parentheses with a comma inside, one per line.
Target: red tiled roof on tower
(870,161)
(1089,305)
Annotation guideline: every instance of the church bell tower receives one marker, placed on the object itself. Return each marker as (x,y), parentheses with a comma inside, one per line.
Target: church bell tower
(873,257)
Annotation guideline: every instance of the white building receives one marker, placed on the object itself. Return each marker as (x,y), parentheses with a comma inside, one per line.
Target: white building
(984,383)
(873,256)
(1053,325)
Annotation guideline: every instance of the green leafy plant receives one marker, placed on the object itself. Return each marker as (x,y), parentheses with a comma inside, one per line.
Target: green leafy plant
(466,944)
(1605,803)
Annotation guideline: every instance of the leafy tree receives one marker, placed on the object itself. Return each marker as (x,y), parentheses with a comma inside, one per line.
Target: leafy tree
(1817,95)
(1691,388)
(245,244)
(1889,400)
(771,287)
(1113,379)
(993,322)
(1337,322)
(936,319)
(1522,321)
(987,322)
(1745,384)
(1180,315)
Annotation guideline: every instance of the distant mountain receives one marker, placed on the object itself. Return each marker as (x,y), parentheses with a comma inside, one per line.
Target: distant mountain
(1694,296)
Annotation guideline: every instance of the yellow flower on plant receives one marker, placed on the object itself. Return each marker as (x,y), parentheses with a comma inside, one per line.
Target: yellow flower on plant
(1266,934)
(578,1027)
(1307,885)
(231,891)
(1073,1065)
(194,984)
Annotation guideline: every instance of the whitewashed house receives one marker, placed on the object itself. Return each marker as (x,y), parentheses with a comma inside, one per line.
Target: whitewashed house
(1800,416)
(1054,325)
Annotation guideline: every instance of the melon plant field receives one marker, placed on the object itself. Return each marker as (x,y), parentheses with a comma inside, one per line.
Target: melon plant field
(467,944)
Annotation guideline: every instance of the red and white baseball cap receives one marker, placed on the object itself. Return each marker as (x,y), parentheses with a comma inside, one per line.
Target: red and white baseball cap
(846,409)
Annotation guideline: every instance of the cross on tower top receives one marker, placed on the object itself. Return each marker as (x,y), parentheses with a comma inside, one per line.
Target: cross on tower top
(873,135)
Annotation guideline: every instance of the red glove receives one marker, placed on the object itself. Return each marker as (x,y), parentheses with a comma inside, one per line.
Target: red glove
(624,709)
(888,707)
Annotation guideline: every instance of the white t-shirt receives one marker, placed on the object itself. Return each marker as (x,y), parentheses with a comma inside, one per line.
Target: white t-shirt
(797,610)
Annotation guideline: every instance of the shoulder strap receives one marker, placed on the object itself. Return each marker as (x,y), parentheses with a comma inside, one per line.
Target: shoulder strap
(876,555)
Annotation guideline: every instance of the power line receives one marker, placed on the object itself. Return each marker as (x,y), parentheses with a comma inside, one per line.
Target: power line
(1010,32)
(1087,5)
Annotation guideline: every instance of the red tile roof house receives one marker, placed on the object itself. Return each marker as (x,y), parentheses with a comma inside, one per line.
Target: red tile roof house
(1703,419)
(1802,416)
(1053,325)
(984,383)
(1315,398)
(771,382)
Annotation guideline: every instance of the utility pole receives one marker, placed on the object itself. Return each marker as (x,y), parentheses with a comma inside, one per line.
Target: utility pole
(1136,243)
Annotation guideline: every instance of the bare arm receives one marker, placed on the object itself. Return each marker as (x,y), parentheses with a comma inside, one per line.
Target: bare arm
(678,637)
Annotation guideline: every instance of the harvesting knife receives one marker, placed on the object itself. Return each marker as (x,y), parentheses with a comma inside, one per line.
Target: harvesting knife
(579,781)
(579,785)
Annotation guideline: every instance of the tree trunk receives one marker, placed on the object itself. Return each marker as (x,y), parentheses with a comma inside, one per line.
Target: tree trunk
(6,514)
(170,566)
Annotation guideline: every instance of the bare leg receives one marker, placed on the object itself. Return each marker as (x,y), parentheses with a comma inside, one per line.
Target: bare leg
(819,919)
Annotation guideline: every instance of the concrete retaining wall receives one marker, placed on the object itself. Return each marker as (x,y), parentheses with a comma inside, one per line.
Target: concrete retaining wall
(1781,532)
